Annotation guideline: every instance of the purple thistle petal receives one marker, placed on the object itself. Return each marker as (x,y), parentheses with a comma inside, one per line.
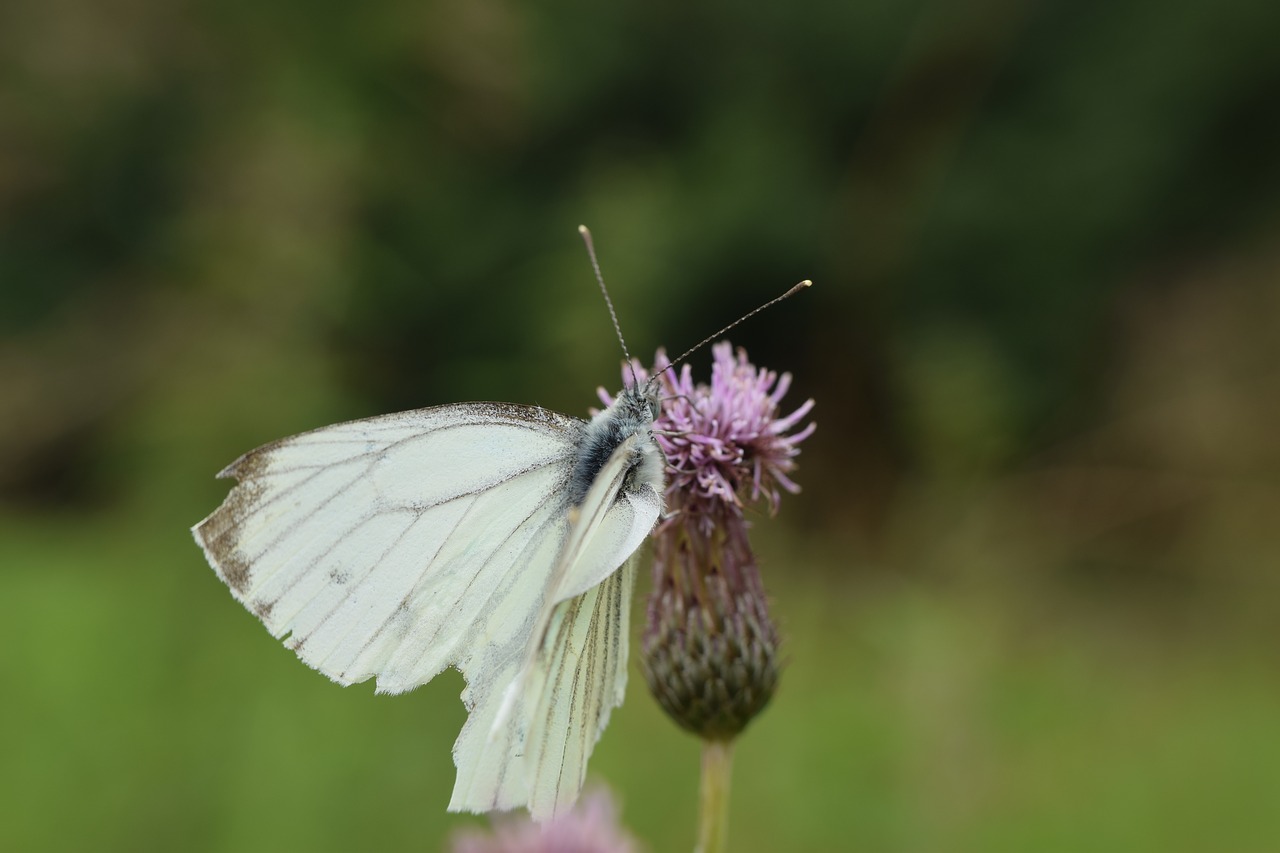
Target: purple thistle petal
(783,424)
(733,438)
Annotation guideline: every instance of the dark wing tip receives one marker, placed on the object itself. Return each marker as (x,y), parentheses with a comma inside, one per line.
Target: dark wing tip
(212,535)
(249,465)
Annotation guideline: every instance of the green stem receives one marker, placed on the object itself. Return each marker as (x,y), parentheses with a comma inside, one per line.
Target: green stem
(713,806)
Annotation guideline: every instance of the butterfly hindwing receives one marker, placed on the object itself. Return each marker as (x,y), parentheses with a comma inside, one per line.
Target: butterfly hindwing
(529,744)
(585,674)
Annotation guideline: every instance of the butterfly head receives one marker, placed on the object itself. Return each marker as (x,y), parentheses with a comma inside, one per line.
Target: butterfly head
(640,402)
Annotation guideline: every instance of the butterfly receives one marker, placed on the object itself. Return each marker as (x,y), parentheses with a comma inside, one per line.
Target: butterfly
(495,538)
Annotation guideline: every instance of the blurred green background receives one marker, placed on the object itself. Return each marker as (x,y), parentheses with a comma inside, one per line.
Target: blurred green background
(1029,592)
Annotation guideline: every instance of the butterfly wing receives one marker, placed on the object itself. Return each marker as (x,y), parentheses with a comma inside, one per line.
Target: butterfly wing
(583,667)
(530,743)
(393,547)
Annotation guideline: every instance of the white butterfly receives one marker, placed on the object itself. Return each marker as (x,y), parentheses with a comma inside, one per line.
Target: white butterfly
(485,536)
(491,537)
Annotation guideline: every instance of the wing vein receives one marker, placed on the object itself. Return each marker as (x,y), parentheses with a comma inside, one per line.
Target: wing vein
(299,575)
(338,605)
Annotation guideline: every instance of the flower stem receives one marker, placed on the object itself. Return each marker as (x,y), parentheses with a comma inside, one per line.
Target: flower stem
(713,808)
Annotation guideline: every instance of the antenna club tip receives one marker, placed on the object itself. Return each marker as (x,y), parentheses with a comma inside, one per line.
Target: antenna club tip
(582,229)
(805,283)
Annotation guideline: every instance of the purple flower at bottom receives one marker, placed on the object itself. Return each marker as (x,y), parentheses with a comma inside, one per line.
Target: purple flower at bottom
(710,650)
(591,826)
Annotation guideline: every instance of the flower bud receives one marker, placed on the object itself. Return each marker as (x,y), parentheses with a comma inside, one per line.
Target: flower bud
(710,650)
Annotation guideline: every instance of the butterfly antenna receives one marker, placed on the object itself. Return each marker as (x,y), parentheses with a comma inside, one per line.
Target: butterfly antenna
(613,315)
(700,344)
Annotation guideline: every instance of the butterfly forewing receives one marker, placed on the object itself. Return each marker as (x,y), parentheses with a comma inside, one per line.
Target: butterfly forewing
(367,541)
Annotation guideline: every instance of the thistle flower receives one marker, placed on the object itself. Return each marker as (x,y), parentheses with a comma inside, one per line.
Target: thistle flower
(726,439)
(709,651)
(591,826)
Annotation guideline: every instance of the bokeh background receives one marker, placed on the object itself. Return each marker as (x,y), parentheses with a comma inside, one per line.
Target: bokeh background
(1030,589)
